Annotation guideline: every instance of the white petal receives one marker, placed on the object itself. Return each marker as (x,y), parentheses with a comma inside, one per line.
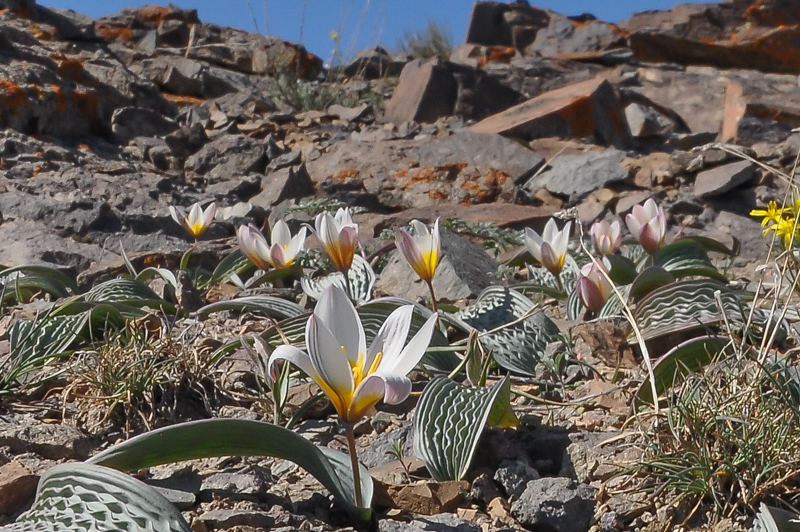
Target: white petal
(327,357)
(534,243)
(412,353)
(195,214)
(392,335)
(420,228)
(295,356)
(335,310)
(280,234)
(177,216)
(550,230)
(208,214)
(634,226)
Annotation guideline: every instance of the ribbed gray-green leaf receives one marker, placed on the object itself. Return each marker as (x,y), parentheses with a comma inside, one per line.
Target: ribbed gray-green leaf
(769,519)
(238,437)
(78,497)
(685,305)
(516,347)
(362,280)
(272,306)
(449,420)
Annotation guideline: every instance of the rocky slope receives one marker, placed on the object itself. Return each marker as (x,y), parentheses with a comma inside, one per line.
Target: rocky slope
(105,123)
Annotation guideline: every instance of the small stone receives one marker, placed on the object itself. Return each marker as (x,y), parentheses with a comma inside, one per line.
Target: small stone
(723,178)
(555,503)
(514,477)
(17,487)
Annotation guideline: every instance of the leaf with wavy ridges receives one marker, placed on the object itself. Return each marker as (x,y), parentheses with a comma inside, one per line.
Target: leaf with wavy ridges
(272,306)
(362,280)
(78,497)
(517,347)
(449,421)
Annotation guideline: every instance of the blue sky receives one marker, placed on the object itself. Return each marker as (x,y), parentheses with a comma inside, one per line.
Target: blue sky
(360,23)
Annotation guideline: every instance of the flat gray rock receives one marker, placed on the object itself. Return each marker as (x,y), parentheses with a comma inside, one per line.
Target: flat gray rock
(482,149)
(575,176)
(723,178)
(432,523)
(555,503)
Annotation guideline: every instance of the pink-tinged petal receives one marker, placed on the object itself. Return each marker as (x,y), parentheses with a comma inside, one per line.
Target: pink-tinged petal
(411,252)
(280,234)
(296,243)
(328,357)
(561,241)
(348,239)
(650,239)
(633,224)
(195,214)
(437,238)
(411,354)
(335,310)
(550,259)
(589,294)
(277,257)
(650,208)
(615,231)
(392,335)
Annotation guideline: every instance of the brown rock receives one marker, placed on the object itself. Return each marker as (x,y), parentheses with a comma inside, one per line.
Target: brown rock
(723,178)
(586,109)
(287,183)
(425,92)
(628,199)
(429,497)
(762,35)
(756,110)
(17,487)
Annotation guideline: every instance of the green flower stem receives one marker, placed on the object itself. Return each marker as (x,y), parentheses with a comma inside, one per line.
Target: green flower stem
(434,306)
(351,445)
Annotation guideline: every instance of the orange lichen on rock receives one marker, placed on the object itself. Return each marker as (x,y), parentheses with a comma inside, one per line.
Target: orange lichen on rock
(70,67)
(13,96)
(580,116)
(342,175)
(61,98)
(156,14)
(111,32)
(182,101)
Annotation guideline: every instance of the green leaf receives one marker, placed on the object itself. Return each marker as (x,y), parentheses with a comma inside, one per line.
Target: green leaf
(541,280)
(362,280)
(40,271)
(686,257)
(233,264)
(78,497)
(683,359)
(449,421)
(239,437)
(621,270)
(648,280)
(516,347)
(686,305)
(710,244)
(274,307)
(128,292)
(150,272)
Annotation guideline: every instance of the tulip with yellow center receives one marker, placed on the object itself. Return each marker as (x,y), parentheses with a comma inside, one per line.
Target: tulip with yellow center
(648,224)
(550,249)
(197,221)
(606,237)
(353,377)
(338,235)
(280,254)
(593,286)
(422,251)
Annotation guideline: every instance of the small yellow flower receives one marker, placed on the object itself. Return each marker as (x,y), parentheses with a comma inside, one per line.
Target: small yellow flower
(786,229)
(772,214)
(422,250)
(197,221)
(334,35)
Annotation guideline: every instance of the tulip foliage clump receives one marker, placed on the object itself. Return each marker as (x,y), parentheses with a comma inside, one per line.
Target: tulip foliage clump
(309,288)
